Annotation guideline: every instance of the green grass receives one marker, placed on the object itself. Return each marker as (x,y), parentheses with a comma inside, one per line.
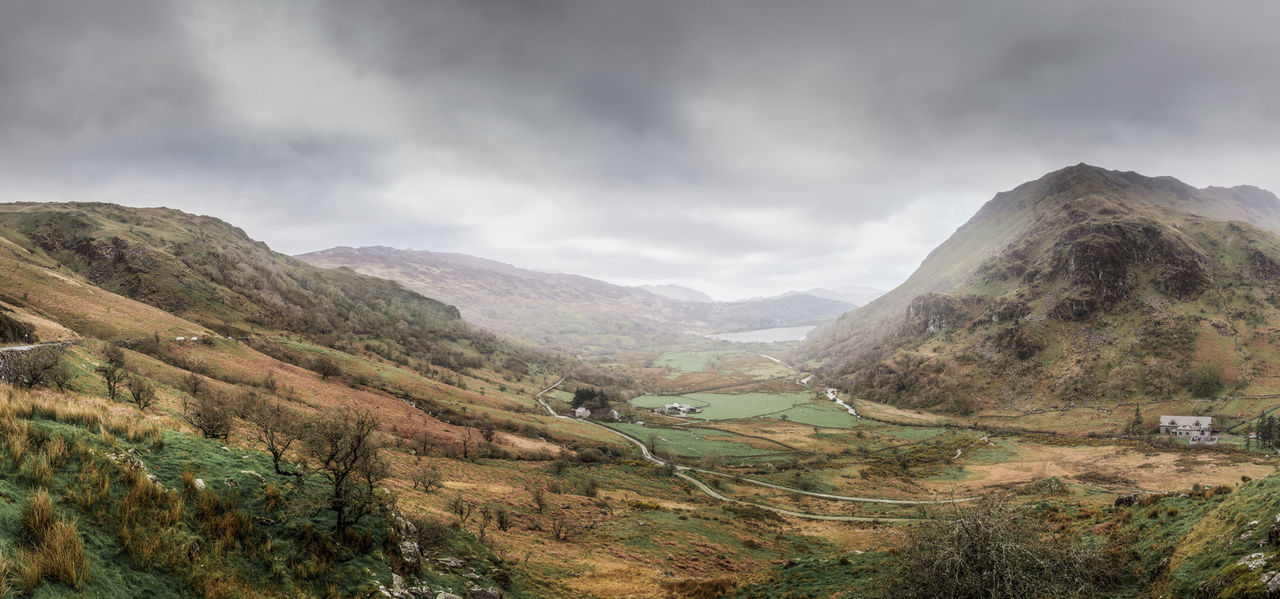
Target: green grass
(692,443)
(832,416)
(912,433)
(690,361)
(724,406)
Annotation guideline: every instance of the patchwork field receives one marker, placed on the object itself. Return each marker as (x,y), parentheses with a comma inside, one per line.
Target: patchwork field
(725,406)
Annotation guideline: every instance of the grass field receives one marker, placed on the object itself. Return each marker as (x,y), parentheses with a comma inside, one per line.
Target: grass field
(690,361)
(696,443)
(819,415)
(725,406)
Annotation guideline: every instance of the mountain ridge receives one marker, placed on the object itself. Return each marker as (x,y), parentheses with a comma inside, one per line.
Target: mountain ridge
(570,312)
(1076,248)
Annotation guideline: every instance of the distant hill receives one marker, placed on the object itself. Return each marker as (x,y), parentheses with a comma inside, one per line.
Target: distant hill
(568,311)
(678,292)
(856,295)
(1086,285)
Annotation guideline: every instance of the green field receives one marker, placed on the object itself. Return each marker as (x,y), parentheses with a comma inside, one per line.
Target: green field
(692,443)
(690,361)
(724,406)
(819,415)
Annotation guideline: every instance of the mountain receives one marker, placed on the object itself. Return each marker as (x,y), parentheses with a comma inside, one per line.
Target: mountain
(679,293)
(856,295)
(569,312)
(1083,286)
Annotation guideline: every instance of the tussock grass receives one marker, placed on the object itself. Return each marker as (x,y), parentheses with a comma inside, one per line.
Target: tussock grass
(6,575)
(52,546)
(40,472)
(37,519)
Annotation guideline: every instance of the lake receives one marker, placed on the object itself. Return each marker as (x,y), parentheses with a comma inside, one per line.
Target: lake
(766,335)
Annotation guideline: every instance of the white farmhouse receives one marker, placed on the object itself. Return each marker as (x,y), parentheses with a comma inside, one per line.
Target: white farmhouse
(1194,428)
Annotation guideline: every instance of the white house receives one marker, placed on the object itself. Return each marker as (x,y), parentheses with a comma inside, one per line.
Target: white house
(680,408)
(581,412)
(1195,428)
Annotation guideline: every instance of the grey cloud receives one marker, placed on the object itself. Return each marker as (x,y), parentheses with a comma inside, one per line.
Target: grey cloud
(643,121)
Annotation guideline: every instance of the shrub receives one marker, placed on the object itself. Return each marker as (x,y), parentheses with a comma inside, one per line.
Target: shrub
(209,413)
(143,392)
(991,550)
(326,367)
(1205,380)
(427,478)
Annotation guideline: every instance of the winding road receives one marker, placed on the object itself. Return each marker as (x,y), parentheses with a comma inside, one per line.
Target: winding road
(683,472)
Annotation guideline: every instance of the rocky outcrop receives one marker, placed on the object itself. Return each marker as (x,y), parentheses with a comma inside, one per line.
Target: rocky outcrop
(934,312)
(1104,261)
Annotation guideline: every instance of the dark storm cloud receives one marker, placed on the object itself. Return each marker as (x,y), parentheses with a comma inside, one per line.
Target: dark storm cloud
(739,145)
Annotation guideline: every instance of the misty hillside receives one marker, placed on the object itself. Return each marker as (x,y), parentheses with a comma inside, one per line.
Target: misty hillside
(678,292)
(1084,285)
(568,311)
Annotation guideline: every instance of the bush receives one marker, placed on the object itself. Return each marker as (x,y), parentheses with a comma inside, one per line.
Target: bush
(1205,380)
(326,367)
(143,392)
(210,414)
(993,551)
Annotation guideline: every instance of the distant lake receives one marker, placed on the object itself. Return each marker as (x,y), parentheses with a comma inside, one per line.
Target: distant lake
(766,335)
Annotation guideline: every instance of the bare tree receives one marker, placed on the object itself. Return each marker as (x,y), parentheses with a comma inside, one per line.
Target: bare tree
(209,413)
(486,518)
(539,498)
(193,383)
(343,444)
(461,508)
(112,375)
(466,442)
(143,392)
(428,478)
(275,426)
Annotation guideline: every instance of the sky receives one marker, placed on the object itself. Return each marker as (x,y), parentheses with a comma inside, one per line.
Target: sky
(740,147)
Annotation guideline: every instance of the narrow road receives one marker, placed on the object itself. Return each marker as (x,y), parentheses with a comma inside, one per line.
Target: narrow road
(37,345)
(682,472)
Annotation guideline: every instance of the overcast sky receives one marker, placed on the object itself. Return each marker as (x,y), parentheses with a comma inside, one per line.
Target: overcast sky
(740,147)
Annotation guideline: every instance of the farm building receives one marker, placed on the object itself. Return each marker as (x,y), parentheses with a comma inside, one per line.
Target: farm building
(680,408)
(581,413)
(1195,428)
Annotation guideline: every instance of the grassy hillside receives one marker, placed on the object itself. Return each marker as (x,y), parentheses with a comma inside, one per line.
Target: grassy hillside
(570,312)
(1086,287)
(206,271)
(501,494)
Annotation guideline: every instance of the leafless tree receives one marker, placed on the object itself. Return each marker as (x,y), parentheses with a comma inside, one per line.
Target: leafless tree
(428,478)
(276,427)
(210,413)
(143,392)
(112,375)
(343,444)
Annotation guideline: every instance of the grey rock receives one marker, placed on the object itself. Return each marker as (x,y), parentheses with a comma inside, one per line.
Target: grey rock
(480,593)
